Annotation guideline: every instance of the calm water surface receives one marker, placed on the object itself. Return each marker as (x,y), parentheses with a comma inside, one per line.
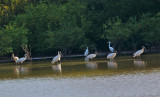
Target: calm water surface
(123,77)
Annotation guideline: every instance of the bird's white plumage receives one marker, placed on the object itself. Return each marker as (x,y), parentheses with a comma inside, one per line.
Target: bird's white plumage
(15,58)
(111,55)
(86,52)
(139,52)
(91,56)
(110,48)
(21,60)
(56,58)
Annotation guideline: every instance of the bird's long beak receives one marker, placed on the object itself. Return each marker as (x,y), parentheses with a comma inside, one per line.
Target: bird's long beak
(97,53)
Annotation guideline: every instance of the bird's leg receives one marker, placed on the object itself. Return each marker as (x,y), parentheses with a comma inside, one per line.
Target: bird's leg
(111,59)
(59,61)
(137,57)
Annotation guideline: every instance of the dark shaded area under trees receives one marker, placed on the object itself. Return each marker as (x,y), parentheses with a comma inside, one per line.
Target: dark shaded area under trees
(72,25)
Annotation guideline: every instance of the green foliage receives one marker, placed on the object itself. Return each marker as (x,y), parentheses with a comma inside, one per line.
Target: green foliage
(18,36)
(12,37)
(5,42)
(134,31)
(71,26)
(150,26)
(116,31)
(51,26)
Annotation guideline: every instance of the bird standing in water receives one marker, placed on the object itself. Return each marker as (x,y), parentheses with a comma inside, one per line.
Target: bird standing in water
(57,58)
(91,56)
(139,52)
(111,55)
(110,48)
(21,60)
(86,52)
(15,58)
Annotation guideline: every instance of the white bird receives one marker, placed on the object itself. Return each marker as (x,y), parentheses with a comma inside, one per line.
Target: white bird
(21,60)
(15,58)
(91,56)
(110,48)
(139,52)
(86,52)
(111,55)
(57,58)
(57,68)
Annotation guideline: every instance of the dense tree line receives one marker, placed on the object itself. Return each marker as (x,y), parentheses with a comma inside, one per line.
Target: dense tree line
(71,25)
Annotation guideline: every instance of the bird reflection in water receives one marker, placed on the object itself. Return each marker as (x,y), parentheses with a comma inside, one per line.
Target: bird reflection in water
(91,65)
(20,70)
(57,68)
(139,64)
(112,65)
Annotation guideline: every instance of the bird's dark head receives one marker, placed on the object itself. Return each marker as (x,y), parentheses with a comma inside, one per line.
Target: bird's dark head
(59,53)
(109,42)
(143,47)
(12,54)
(26,55)
(96,52)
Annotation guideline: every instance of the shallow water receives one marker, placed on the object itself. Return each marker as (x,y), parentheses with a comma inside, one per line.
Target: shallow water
(123,77)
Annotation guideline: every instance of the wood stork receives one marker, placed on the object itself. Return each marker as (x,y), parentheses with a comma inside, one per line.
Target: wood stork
(15,58)
(110,48)
(57,58)
(21,60)
(91,56)
(57,68)
(111,55)
(139,52)
(86,52)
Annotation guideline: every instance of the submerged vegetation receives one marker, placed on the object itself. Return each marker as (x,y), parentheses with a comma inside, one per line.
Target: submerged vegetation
(72,25)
